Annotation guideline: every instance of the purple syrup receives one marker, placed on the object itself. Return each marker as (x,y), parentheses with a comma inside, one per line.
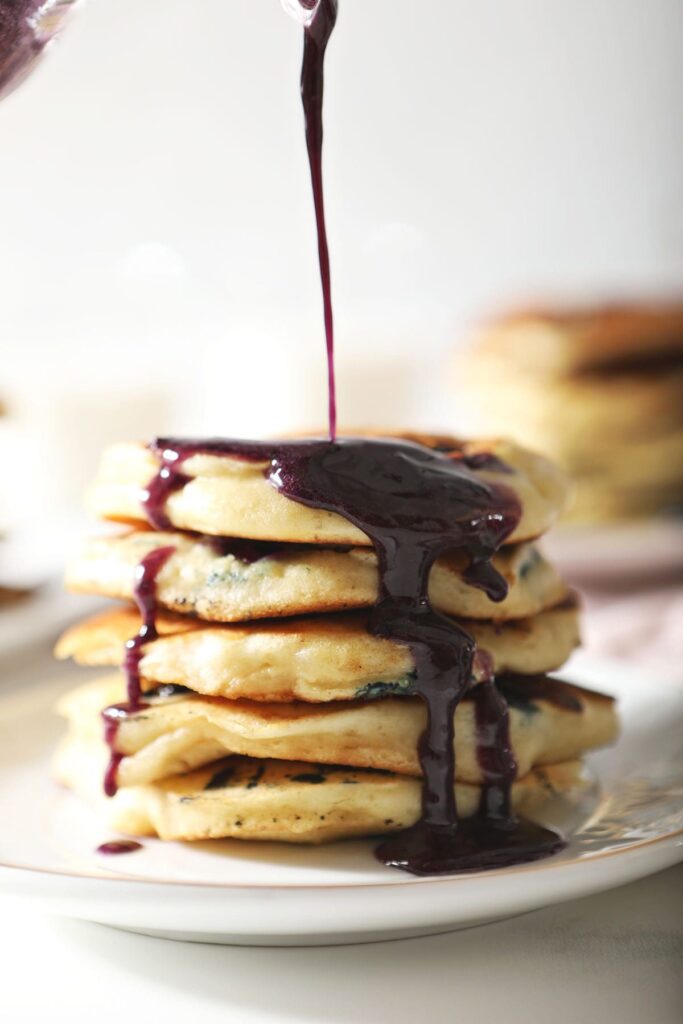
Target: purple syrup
(316,37)
(170,478)
(414,503)
(112,718)
(494,837)
(117,846)
(145,595)
(26,27)
(111,728)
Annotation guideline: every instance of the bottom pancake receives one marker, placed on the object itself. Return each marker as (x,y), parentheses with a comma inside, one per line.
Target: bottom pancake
(281,801)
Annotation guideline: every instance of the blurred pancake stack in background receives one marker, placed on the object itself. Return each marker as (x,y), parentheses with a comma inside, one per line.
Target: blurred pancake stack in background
(599,390)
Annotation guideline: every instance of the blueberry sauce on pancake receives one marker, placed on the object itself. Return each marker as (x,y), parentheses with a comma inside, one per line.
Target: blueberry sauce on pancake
(111,717)
(145,594)
(415,503)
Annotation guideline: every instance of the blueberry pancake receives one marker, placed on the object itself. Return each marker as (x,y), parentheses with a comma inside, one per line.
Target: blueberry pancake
(568,341)
(282,801)
(232,497)
(549,721)
(310,659)
(228,582)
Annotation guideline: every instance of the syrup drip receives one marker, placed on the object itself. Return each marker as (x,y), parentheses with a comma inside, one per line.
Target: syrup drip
(316,37)
(111,728)
(145,595)
(118,846)
(414,503)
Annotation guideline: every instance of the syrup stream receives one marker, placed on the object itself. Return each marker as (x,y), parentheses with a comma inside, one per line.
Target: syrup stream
(316,37)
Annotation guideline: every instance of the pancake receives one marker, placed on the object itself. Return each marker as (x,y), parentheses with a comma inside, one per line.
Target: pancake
(282,801)
(652,463)
(198,579)
(600,392)
(593,503)
(555,342)
(628,465)
(232,498)
(550,721)
(598,410)
(314,659)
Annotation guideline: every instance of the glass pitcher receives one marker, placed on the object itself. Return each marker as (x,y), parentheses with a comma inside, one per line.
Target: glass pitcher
(26,27)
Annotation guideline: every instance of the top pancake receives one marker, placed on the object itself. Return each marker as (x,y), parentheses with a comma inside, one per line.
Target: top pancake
(232,497)
(568,341)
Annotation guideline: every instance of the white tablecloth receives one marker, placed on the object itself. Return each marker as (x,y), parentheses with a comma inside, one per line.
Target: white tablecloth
(615,958)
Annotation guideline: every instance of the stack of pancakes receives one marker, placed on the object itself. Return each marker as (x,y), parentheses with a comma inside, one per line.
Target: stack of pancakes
(269,711)
(599,390)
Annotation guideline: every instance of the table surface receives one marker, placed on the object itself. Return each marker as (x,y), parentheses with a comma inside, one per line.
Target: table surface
(615,957)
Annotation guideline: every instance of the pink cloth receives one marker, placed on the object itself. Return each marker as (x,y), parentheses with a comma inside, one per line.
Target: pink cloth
(643,626)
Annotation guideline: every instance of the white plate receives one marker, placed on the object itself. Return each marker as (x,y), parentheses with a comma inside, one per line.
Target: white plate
(267,894)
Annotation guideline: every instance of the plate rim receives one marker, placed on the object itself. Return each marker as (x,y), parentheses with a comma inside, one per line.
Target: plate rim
(550,864)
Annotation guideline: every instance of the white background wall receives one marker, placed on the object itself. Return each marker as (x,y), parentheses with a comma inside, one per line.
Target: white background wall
(157,256)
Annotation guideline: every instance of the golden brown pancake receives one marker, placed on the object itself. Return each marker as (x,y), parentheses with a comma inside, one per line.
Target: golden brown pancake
(198,579)
(282,801)
(598,412)
(550,721)
(566,341)
(231,497)
(313,659)
(601,393)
